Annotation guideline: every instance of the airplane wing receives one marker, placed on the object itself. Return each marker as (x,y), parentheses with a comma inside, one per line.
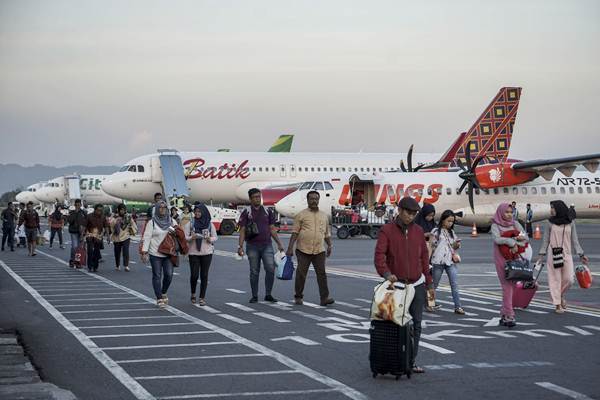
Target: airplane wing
(566,165)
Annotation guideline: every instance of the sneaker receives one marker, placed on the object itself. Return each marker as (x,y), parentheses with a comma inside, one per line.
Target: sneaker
(459,311)
(160,303)
(270,298)
(127,269)
(117,268)
(298,301)
(253,299)
(62,247)
(201,302)
(327,301)
(165,299)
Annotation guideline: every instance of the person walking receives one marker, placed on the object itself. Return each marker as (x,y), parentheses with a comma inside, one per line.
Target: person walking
(504,221)
(559,243)
(444,244)
(175,214)
(426,220)
(186,215)
(200,232)
(9,223)
(95,229)
(529,221)
(257,229)
(122,227)
(572,212)
(30,219)
(401,255)
(515,215)
(57,222)
(77,221)
(156,230)
(157,197)
(311,229)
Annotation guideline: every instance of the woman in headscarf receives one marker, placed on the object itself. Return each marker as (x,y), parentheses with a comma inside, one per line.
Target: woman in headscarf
(56,221)
(501,222)
(122,227)
(559,242)
(425,219)
(156,230)
(201,234)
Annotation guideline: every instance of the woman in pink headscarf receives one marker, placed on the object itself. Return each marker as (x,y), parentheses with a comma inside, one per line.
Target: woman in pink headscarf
(502,222)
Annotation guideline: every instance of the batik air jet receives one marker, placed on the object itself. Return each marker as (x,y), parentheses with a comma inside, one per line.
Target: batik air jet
(226,177)
(473,191)
(88,188)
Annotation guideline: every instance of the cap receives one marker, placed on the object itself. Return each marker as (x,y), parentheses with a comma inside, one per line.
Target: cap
(408,203)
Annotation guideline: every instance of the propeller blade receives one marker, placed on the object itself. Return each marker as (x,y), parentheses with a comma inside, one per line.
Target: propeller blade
(476,163)
(476,183)
(402,167)
(470,193)
(461,165)
(419,167)
(462,186)
(468,155)
(410,151)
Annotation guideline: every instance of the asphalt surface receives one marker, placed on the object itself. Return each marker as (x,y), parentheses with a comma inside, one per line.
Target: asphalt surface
(102,337)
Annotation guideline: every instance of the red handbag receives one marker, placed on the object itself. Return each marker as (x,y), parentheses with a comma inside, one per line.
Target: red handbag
(81,256)
(584,276)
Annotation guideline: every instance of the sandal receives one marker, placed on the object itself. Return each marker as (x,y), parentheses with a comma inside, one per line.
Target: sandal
(417,370)
(563,303)
(459,310)
(559,310)
(193,299)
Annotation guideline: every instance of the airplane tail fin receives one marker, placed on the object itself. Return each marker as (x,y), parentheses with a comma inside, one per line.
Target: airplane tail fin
(283,144)
(491,134)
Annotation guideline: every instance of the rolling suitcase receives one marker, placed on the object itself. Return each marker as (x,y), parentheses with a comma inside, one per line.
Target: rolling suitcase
(524,291)
(390,348)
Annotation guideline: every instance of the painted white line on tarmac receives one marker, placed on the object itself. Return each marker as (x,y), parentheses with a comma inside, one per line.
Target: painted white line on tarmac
(473,300)
(150,334)
(567,392)
(117,318)
(236,291)
(435,348)
(347,315)
(126,297)
(115,369)
(134,326)
(98,304)
(241,307)
(343,303)
(145,360)
(247,394)
(311,316)
(208,308)
(214,374)
(578,330)
(87,290)
(103,311)
(159,346)
(471,307)
(297,339)
(364,301)
(313,305)
(271,317)
(234,319)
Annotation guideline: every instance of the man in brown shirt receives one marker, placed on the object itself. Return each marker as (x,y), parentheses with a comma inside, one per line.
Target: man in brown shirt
(31,220)
(96,227)
(311,229)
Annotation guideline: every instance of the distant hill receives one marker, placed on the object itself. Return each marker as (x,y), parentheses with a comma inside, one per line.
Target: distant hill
(14,175)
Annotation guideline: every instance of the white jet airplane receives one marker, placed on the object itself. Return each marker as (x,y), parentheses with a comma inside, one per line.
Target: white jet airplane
(28,194)
(532,182)
(226,177)
(88,188)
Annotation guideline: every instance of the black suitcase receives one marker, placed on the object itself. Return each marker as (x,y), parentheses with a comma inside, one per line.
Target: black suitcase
(391,348)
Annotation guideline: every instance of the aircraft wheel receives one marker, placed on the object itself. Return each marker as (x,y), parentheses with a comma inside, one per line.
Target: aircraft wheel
(227,227)
(343,232)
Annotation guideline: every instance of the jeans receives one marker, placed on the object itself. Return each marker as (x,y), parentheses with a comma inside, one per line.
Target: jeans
(416,311)
(452,272)
(8,235)
(93,253)
(255,255)
(53,232)
(124,248)
(318,262)
(161,266)
(75,242)
(199,266)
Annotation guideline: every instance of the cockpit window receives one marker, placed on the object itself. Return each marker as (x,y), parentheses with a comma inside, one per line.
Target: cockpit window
(140,168)
(318,186)
(306,185)
(328,186)
(132,169)
(124,168)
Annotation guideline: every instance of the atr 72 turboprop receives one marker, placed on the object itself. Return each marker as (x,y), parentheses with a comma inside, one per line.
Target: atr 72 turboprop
(225,177)
(533,182)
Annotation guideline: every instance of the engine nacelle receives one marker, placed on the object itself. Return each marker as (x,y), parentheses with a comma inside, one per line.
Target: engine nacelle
(501,175)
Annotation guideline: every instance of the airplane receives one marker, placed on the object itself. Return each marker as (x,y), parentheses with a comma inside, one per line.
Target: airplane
(88,188)
(487,186)
(28,194)
(283,144)
(218,177)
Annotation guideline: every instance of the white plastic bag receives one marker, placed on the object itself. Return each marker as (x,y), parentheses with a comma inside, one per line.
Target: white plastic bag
(528,253)
(391,302)
(279,259)
(47,235)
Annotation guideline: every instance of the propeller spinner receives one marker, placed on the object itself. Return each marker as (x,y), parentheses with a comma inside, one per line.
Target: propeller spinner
(469,176)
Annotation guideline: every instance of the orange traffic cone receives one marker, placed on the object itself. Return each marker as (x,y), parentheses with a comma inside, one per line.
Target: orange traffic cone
(474,231)
(537,234)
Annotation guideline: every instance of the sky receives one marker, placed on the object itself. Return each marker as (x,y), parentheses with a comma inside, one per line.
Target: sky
(101,82)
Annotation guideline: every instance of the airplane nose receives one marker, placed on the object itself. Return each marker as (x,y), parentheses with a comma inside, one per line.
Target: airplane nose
(114,186)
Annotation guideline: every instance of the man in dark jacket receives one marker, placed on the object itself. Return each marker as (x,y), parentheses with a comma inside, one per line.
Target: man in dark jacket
(9,222)
(77,221)
(31,220)
(401,255)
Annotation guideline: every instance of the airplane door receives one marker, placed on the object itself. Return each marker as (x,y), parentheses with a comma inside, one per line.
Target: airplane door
(283,172)
(72,186)
(174,183)
(155,171)
(292,170)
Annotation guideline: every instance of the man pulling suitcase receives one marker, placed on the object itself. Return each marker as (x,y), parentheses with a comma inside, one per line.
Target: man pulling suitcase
(401,255)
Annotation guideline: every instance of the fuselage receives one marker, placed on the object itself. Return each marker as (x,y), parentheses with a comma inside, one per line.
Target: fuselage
(582,190)
(227,177)
(29,194)
(90,190)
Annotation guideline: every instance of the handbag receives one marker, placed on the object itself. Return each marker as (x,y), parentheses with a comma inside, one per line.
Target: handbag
(80,258)
(518,270)
(391,302)
(558,255)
